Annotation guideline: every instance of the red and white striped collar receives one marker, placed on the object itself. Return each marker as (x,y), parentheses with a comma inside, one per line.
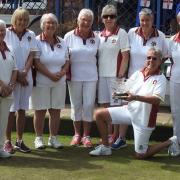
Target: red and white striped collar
(44,38)
(157,72)
(77,33)
(177,37)
(153,34)
(115,32)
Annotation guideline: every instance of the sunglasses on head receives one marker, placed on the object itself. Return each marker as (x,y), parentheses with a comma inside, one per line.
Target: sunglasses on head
(112,16)
(151,57)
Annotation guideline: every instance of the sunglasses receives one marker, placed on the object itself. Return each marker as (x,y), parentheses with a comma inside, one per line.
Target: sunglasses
(151,57)
(112,16)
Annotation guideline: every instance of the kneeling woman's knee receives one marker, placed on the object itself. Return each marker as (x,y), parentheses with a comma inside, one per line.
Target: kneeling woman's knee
(140,156)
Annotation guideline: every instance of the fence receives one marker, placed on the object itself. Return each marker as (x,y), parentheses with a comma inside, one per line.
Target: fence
(67,11)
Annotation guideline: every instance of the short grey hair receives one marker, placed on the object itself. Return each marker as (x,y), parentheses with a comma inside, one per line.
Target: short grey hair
(146,12)
(2,23)
(86,12)
(108,10)
(157,51)
(44,18)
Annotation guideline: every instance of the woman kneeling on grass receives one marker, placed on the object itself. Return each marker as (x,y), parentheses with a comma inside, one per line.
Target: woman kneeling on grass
(144,99)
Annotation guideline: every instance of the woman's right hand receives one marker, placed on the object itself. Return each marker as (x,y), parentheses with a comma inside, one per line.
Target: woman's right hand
(55,76)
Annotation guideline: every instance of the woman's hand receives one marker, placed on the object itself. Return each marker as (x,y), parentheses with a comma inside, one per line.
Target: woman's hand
(129,97)
(6,90)
(21,78)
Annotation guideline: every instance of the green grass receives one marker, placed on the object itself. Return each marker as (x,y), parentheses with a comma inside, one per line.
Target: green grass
(74,163)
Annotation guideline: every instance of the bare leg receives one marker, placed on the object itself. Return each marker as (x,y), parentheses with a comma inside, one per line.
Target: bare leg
(39,117)
(86,128)
(54,121)
(153,150)
(110,126)
(77,128)
(20,123)
(103,119)
(10,123)
(122,130)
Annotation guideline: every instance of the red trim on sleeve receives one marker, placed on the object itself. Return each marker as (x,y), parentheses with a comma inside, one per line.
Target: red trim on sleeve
(153,116)
(119,60)
(177,37)
(3,50)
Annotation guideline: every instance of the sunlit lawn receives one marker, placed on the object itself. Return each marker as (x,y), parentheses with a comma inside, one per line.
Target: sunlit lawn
(75,163)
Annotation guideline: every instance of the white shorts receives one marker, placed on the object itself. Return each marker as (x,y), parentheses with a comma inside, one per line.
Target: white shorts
(48,97)
(121,115)
(82,96)
(21,96)
(105,91)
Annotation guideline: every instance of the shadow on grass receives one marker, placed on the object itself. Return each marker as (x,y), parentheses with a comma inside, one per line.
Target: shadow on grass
(68,158)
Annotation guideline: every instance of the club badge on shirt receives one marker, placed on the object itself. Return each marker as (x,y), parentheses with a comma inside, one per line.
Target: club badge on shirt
(153,43)
(29,38)
(114,41)
(59,46)
(155,81)
(92,41)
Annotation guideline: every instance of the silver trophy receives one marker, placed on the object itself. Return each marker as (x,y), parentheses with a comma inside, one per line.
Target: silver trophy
(120,87)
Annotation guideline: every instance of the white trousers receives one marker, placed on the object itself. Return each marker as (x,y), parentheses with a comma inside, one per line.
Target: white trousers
(175,107)
(82,97)
(5,104)
(121,115)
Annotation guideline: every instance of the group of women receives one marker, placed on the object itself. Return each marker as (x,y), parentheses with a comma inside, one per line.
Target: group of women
(76,55)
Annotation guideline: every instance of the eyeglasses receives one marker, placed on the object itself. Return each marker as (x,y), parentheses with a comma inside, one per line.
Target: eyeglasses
(111,16)
(151,57)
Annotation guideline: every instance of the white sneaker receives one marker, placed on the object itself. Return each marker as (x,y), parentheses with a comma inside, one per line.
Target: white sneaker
(101,150)
(4,154)
(174,149)
(54,143)
(38,143)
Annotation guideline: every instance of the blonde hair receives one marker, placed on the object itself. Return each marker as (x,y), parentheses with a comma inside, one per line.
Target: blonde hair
(19,12)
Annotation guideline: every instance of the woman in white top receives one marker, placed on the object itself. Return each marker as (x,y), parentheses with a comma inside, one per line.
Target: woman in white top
(21,42)
(113,58)
(83,45)
(8,75)
(50,91)
(141,39)
(174,51)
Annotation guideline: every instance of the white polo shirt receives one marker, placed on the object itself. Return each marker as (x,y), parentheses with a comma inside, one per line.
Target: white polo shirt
(53,58)
(21,47)
(109,51)
(7,65)
(174,52)
(82,56)
(139,47)
(144,114)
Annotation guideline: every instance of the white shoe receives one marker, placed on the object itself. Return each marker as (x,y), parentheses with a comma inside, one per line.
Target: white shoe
(101,150)
(54,143)
(4,154)
(174,149)
(38,143)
